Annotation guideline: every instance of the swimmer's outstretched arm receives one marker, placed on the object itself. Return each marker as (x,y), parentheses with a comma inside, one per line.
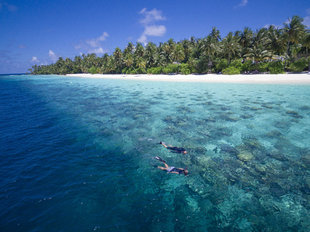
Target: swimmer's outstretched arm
(162,143)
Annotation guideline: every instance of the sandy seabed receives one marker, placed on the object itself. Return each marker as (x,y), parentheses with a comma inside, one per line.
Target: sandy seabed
(299,79)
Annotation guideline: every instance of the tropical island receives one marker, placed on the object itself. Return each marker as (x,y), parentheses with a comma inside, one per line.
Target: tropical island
(269,49)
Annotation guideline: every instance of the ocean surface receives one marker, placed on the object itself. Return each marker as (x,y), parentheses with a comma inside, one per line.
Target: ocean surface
(77,154)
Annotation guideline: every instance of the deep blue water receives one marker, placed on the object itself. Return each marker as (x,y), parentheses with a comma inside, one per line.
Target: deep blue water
(76,154)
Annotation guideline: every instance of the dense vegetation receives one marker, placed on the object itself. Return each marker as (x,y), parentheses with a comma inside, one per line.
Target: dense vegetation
(271,49)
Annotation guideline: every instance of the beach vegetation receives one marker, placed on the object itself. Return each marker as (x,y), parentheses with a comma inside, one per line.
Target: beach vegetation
(293,32)
(154,70)
(276,67)
(185,69)
(170,69)
(246,66)
(237,64)
(269,49)
(231,70)
(220,65)
(262,67)
(93,70)
(299,65)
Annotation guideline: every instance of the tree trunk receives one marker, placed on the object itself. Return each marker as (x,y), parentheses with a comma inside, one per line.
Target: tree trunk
(287,52)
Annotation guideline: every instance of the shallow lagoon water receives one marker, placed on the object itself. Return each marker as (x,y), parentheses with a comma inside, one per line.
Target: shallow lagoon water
(77,155)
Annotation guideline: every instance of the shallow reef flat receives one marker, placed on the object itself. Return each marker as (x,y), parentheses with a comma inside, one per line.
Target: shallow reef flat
(248,156)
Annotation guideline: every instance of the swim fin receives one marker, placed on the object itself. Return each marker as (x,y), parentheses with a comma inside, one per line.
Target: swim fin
(160,159)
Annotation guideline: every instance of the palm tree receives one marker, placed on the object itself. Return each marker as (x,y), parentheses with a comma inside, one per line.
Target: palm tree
(178,54)
(199,54)
(215,35)
(258,51)
(111,66)
(294,30)
(118,60)
(276,42)
(211,46)
(204,53)
(88,61)
(104,63)
(306,44)
(139,51)
(128,60)
(129,49)
(141,64)
(68,66)
(230,47)
(187,48)
(246,39)
(77,64)
(162,60)
(138,54)
(306,41)
(167,49)
(60,64)
(151,55)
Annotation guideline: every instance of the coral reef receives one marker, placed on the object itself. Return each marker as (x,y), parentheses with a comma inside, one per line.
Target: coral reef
(293,114)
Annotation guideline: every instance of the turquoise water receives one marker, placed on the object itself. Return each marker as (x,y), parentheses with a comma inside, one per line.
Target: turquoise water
(77,155)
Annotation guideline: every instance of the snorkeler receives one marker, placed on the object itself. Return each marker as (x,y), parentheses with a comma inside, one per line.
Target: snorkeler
(174,149)
(171,169)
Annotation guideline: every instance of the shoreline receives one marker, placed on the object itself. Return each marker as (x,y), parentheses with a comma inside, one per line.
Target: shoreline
(298,79)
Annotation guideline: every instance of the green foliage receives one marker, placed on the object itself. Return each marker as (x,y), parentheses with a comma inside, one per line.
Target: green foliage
(262,67)
(93,70)
(132,71)
(202,64)
(247,66)
(192,64)
(139,71)
(171,68)
(237,64)
(184,69)
(154,70)
(200,55)
(220,65)
(299,65)
(129,71)
(231,70)
(294,31)
(126,70)
(178,54)
(276,67)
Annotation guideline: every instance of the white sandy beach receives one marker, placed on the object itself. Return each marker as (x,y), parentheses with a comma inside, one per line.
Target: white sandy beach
(300,79)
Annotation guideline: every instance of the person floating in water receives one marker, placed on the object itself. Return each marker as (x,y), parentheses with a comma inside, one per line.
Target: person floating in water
(171,169)
(174,149)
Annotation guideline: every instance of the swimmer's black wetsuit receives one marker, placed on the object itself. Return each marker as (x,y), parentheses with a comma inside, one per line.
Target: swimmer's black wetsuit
(176,149)
(180,171)
(173,169)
